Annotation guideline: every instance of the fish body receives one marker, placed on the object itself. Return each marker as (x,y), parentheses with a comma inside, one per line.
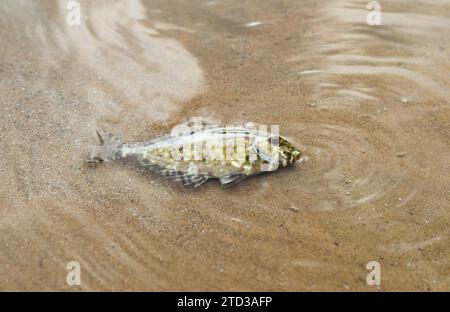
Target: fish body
(229,154)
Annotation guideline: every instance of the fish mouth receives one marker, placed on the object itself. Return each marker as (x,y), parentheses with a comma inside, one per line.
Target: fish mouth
(296,155)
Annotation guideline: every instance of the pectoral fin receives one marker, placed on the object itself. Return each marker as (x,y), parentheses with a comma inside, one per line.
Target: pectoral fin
(185,178)
(231,179)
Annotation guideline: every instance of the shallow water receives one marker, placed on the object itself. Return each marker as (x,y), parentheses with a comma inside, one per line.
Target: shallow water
(368,105)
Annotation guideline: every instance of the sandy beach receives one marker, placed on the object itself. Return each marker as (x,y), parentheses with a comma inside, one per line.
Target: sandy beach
(369,106)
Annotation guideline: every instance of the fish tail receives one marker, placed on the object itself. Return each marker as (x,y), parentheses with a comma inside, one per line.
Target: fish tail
(109,148)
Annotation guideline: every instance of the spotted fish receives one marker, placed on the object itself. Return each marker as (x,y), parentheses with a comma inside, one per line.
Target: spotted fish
(194,156)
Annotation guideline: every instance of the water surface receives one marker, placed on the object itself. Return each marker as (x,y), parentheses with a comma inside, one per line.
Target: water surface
(369,105)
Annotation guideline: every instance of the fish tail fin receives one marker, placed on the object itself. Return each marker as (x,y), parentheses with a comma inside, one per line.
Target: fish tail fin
(108,149)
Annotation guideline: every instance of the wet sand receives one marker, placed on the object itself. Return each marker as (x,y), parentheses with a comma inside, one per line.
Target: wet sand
(368,105)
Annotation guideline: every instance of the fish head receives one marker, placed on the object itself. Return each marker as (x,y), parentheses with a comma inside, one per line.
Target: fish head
(277,151)
(288,153)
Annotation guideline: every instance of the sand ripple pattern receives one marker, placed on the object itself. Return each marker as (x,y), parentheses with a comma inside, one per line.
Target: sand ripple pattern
(131,66)
(369,106)
(373,82)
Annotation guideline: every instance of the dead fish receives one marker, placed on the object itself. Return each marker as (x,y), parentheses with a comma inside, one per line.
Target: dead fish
(229,154)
